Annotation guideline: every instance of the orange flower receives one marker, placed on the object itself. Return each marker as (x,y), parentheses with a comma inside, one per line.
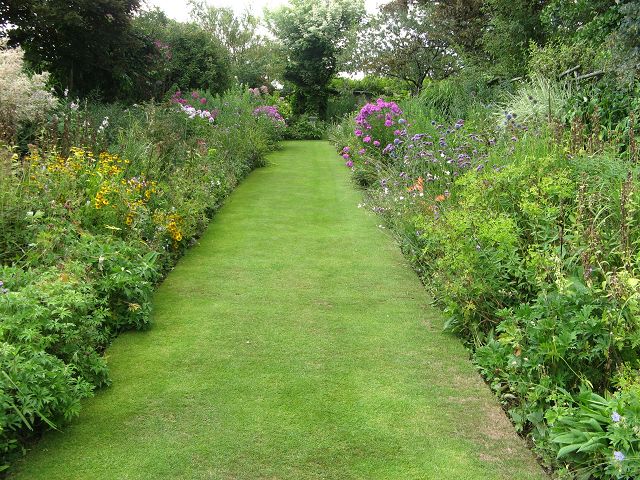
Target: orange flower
(419,186)
(440,198)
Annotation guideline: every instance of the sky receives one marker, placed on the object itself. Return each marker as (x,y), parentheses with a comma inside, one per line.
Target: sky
(178,9)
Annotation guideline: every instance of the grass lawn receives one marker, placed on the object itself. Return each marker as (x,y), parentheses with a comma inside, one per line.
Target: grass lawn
(292,343)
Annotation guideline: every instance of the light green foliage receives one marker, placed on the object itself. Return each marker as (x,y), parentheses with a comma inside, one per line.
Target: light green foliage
(402,42)
(535,102)
(466,95)
(313,34)
(256,60)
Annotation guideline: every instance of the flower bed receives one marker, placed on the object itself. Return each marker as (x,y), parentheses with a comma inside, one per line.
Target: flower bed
(531,253)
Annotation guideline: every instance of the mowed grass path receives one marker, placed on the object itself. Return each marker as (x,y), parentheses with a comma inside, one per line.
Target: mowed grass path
(292,343)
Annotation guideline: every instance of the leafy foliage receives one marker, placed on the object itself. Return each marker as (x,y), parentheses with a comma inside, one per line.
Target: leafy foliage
(90,47)
(313,35)
(401,42)
(256,60)
(185,56)
(86,232)
(526,238)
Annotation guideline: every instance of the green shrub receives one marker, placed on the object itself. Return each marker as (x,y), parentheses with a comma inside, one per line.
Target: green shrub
(305,127)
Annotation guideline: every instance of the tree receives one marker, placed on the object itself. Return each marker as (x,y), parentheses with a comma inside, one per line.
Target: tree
(495,34)
(186,55)
(626,41)
(255,59)
(86,45)
(511,26)
(402,42)
(313,34)
(460,23)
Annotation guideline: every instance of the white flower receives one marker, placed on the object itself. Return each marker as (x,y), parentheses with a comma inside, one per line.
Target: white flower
(103,125)
(22,97)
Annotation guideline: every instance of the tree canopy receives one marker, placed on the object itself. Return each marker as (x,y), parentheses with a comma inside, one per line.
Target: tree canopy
(86,45)
(401,41)
(186,55)
(313,34)
(255,59)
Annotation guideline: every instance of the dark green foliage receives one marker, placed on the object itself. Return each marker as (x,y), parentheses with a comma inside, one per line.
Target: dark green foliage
(627,42)
(511,26)
(87,46)
(462,23)
(305,127)
(185,56)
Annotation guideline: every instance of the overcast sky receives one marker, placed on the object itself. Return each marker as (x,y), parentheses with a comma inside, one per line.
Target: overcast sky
(179,10)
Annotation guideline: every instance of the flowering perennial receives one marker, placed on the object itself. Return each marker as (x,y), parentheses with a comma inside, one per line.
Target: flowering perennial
(271,112)
(381,109)
(193,112)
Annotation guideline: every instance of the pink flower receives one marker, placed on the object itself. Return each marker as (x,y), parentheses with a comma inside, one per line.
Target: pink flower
(358,133)
(203,100)
(376,143)
(388,123)
(195,94)
(346,149)
(361,151)
(349,164)
(345,156)
(367,139)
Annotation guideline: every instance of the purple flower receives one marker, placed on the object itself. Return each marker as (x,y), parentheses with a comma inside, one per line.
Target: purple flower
(376,143)
(367,139)
(388,149)
(358,133)
(361,151)
(615,416)
(346,149)
(346,156)
(388,123)
(349,164)
(619,456)
(269,111)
